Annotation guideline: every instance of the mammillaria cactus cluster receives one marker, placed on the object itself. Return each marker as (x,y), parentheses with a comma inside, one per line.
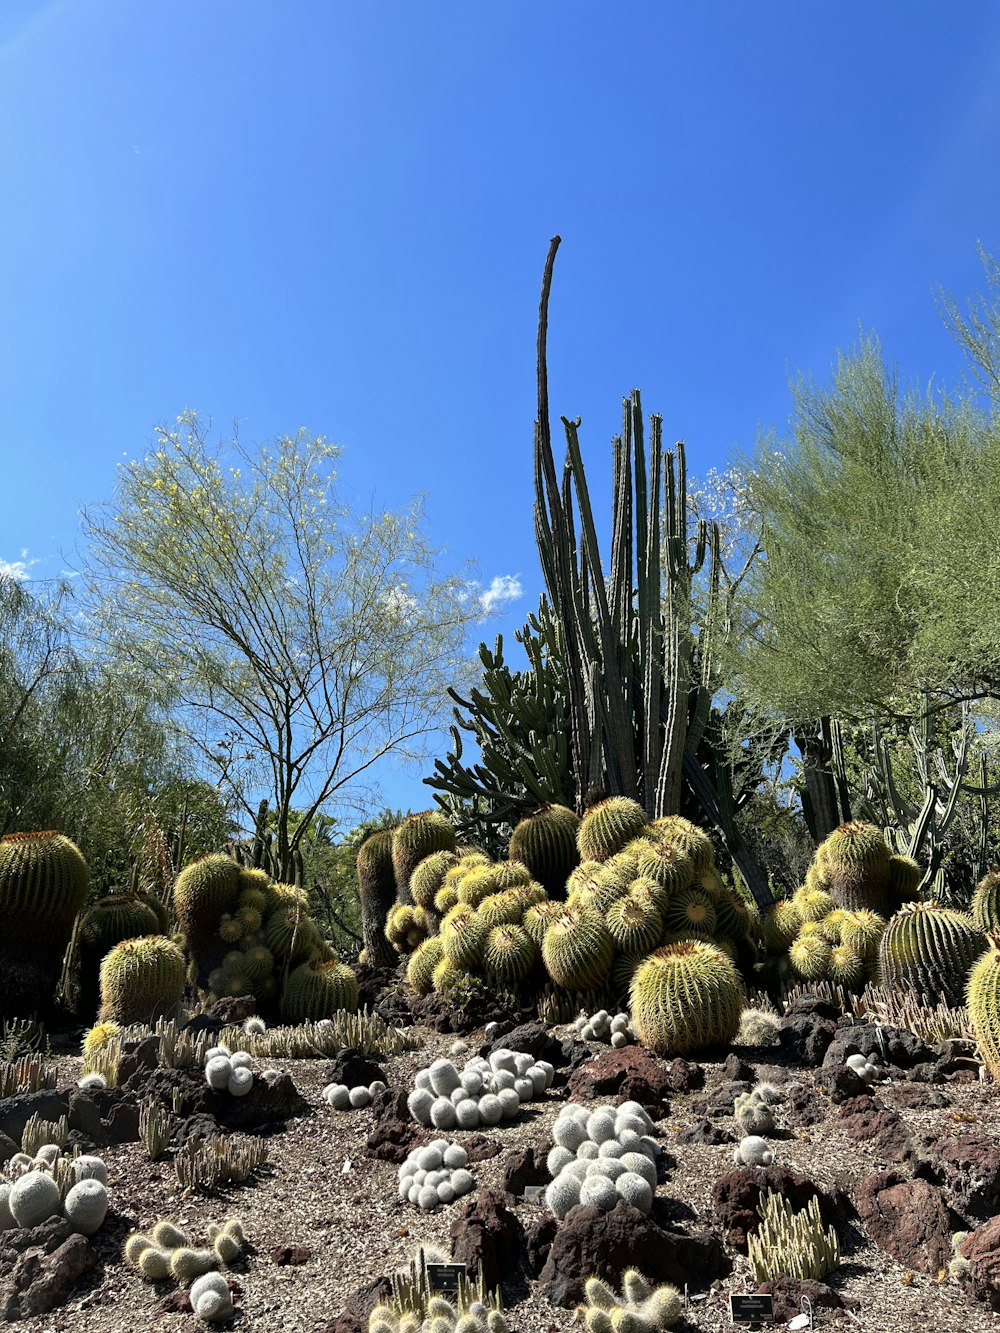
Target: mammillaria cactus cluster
(485,1092)
(641,1308)
(229,1071)
(435,1175)
(602,1154)
(343,1098)
(615,1029)
(50,1185)
(752,1150)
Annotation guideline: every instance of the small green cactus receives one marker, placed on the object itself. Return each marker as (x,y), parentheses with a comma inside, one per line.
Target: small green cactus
(791,1244)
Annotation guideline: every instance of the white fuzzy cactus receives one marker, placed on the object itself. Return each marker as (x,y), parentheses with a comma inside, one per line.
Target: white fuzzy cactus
(86,1206)
(601,1155)
(33,1198)
(753,1151)
(211,1298)
(217,1072)
(435,1174)
(864,1068)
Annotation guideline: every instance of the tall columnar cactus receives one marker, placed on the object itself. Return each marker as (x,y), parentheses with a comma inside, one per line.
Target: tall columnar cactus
(141,980)
(545,841)
(930,949)
(43,885)
(852,865)
(983,999)
(416,837)
(204,892)
(377,893)
(608,826)
(685,997)
(578,949)
(316,990)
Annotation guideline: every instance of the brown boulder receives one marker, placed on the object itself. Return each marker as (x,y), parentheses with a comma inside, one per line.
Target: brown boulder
(967,1167)
(982,1249)
(648,1080)
(487,1237)
(592,1243)
(737,1194)
(907,1219)
(394,1133)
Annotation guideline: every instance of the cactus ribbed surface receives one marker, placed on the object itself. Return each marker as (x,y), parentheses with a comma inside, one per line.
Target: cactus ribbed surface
(634,925)
(853,865)
(685,997)
(578,949)
(423,961)
(118,917)
(929,949)
(318,990)
(862,932)
(608,826)
(509,955)
(43,885)
(846,968)
(429,875)
(690,911)
(204,892)
(377,893)
(538,918)
(810,956)
(141,980)
(463,937)
(983,999)
(904,878)
(688,839)
(417,837)
(780,925)
(546,842)
(662,860)
(985,910)
(812,904)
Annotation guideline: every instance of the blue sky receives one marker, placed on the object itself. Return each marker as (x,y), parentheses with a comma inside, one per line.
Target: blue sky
(335,215)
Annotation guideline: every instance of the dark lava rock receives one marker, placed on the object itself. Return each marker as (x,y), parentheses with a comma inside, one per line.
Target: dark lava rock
(685,1076)
(393,1007)
(967,1168)
(354,1316)
(787,1296)
(982,1249)
(194,1129)
(269,1102)
(487,1237)
(196,1097)
(394,1134)
(353,1069)
(737,1194)
(524,1168)
(806,1036)
(605,1076)
(480,1148)
(477,1006)
(908,1219)
(842,1083)
(866,1120)
(122,1125)
(736,1070)
(39,1268)
(531,1038)
(16,1111)
(572,1054)
(8,1148)
(804,1104)
(284,1255)
(707,1133)
(225,1013)
(882,1045)
(720,1100)
(592,1243)
(956,1056)
(916,1096)
(375,982)
(138,1055)
(813,1005)
(538,1238)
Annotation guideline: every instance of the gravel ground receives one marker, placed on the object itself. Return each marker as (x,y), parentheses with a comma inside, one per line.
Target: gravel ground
(321,1192)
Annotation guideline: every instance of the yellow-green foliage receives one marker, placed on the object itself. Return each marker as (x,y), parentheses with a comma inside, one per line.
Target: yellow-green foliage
(983,998)
(791,1244)
(578,949)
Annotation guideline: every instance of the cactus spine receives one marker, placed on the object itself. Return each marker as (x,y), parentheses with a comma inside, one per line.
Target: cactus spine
(318,990)
(684,997)
(141,980)
(417,837)
(983,999)
(930,949)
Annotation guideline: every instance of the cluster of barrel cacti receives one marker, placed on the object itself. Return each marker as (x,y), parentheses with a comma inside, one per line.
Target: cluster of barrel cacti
(640,1308)
(52,1184)
(602,1154)
(250,935)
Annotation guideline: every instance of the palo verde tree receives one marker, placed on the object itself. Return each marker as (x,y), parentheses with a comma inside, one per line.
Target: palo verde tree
(305,642)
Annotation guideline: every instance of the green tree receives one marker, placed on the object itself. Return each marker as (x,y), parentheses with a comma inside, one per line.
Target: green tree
(881,577)
(305,642)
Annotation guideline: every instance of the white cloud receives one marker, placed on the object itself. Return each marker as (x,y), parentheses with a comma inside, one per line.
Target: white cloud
(504,588)
(16,569)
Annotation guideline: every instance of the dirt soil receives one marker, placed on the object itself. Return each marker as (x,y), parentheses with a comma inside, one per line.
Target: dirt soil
(322,1193)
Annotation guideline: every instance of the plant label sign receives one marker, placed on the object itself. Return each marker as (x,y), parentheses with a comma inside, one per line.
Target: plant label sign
(446,1278)
(534,1193)
(748,1308)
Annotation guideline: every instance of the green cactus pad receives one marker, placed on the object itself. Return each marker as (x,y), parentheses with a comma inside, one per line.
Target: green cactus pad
(685,997)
